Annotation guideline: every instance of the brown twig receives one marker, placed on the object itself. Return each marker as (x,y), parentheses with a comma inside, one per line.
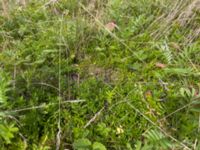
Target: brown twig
(94,117)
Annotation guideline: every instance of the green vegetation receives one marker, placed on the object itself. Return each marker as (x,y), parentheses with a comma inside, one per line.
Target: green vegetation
(100,74)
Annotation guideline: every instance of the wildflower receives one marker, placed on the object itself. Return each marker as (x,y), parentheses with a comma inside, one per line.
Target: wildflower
(111,26)
(120,130)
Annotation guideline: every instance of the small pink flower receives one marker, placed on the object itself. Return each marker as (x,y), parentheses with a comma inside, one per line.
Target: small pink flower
(111,26)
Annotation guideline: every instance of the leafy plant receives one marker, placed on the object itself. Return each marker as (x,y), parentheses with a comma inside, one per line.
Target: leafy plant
(85,144)
(55,53)
(6,130)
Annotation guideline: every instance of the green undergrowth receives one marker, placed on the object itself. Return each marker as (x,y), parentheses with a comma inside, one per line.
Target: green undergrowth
(139,83)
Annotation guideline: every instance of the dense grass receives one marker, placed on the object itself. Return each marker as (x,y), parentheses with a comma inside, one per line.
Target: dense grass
(120,74)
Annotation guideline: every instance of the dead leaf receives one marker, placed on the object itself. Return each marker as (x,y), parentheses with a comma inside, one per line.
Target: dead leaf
(160,65)
(175,46)
(148,94)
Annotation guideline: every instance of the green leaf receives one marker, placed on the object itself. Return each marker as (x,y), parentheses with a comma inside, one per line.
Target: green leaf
(128,146)
(138,145)
(178,71)
(7,132)
(98,146)
(82,144)
(182,92)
